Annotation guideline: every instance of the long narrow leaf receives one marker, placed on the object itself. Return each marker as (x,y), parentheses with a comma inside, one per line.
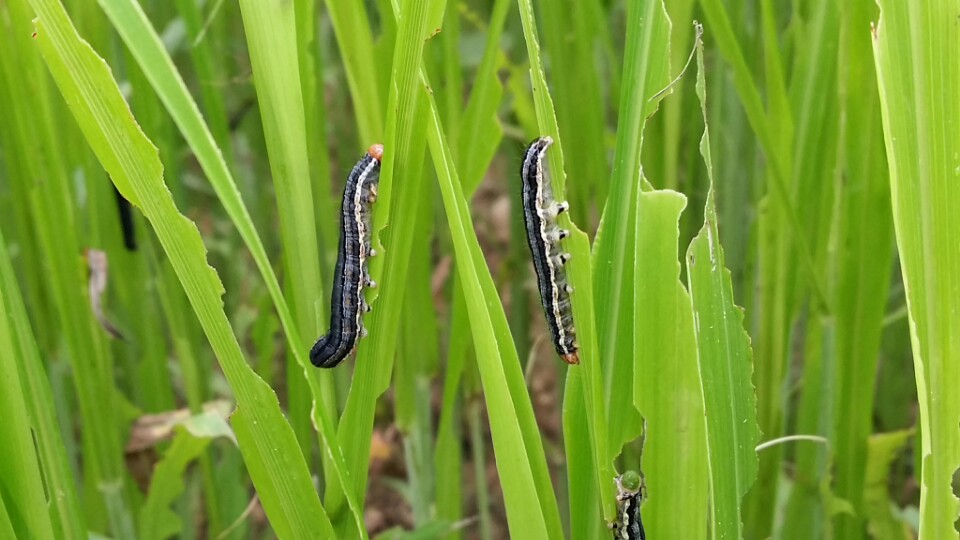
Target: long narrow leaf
(725,362)
(917,51)
(270,450)
(579,270)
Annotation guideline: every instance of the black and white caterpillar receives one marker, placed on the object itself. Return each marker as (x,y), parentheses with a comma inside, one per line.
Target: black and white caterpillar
(629,526)
(351,277)
(540,212)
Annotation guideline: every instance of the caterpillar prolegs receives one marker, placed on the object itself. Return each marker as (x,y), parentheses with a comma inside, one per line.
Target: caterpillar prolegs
(351,277)
(540,212)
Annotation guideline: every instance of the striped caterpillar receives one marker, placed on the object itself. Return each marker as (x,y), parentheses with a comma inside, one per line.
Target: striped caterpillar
(540,212)
(629,526)
(347,304)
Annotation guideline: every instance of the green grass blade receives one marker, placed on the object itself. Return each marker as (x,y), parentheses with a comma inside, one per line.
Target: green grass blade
(815,119)
(209,72)
(579,269)
(645,72)
(355,40)
(725,362)
(917,52)
(570,42)
(271,32)
(20,478)
(866,231)
(720,27)
(266,440)
(479,132)
(586,520)
(396,209)
(807,508)
(526,515)
(65,510)
(146,46)
(666,381)
(49,196)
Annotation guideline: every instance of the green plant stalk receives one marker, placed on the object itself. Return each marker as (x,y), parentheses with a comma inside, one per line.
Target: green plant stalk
(586,518)
(447,456)
(863,273)
(477,443)
(807,511)
(917,52)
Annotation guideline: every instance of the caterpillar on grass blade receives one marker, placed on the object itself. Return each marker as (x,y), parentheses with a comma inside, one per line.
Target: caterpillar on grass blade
(540,212)
(629,526)
(347,304)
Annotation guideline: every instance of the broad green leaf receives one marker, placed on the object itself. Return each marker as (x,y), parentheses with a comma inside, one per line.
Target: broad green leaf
(157,521)
(917,50)
(882,450)
(273,459)
(725,361)
(666,382)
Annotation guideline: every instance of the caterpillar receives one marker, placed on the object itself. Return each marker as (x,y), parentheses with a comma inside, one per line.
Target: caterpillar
(629,526)
(351,277)
(540,212)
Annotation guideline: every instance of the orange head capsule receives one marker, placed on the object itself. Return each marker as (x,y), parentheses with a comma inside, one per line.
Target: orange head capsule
(376,152)
(572,358)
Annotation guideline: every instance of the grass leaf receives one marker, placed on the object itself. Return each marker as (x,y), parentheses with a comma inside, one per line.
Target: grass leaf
(725,362)
(266,440)
(666,381)
(917,52)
